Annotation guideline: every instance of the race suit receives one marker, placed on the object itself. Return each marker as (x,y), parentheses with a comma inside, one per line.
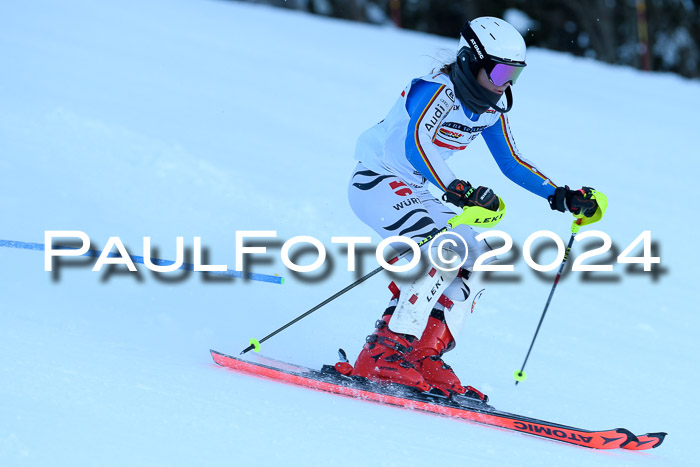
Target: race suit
(397,156)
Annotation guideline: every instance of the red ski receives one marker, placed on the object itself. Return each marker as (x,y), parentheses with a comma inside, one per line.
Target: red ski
(330,380)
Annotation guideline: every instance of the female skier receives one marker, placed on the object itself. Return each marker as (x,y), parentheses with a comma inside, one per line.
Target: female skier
(436,116)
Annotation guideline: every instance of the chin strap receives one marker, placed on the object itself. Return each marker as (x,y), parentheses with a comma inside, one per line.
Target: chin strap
(509,102)
(488,96)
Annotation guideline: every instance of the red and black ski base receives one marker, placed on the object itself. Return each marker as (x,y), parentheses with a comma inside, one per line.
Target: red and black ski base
(330,380)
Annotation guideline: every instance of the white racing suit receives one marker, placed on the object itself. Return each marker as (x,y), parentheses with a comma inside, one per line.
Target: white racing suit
(387,190)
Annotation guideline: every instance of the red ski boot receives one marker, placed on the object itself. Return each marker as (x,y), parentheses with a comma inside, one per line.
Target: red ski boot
(427,357)
(383,356)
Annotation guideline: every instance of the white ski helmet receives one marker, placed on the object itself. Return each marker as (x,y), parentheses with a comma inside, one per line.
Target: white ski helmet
(495,46)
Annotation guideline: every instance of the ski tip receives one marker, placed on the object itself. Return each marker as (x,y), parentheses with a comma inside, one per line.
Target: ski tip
(646,441)
(660,436)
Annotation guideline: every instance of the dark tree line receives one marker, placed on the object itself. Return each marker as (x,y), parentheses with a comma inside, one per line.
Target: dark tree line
(662,35)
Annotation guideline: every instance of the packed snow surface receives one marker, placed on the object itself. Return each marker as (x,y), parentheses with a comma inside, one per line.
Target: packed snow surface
(187,118)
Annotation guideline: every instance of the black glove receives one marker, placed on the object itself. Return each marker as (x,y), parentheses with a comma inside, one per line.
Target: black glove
(462,194)
(575,201)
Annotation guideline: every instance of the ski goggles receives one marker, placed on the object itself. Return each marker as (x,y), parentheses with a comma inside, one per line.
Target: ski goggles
(502,73)
(498,70)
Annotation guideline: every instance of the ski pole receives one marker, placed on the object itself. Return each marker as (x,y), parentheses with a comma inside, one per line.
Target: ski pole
(520,375)
(255,344)
(471,216)
(602,202)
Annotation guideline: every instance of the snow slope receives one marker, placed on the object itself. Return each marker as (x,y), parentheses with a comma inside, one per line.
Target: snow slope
(202,118)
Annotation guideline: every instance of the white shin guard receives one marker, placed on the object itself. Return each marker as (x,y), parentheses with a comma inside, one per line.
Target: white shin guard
(418,298)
